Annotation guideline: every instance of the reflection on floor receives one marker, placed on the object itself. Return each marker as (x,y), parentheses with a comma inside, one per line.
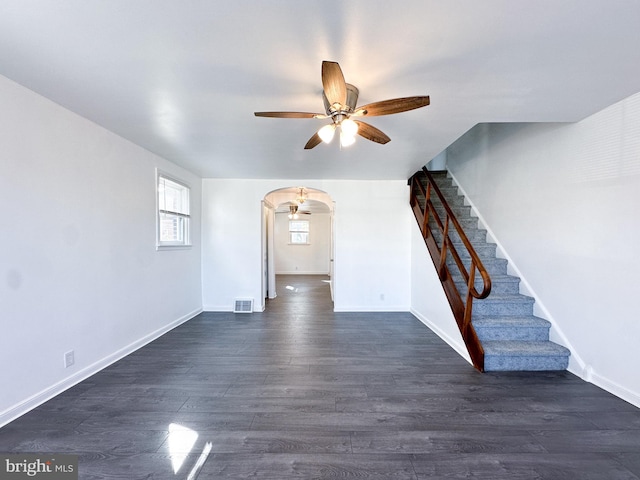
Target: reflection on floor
(302,392)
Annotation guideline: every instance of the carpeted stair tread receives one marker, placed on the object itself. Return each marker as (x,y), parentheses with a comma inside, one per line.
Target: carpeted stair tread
(516,348)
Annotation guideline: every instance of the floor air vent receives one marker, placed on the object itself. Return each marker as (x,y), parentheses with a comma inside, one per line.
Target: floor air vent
(243,305)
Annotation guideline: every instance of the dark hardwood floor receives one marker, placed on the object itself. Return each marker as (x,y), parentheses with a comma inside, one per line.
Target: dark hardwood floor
(301,392)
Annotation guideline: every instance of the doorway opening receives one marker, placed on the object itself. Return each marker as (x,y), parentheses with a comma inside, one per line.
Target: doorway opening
(297,238)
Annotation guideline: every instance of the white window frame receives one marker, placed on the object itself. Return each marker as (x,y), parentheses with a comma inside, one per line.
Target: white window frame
(181,214)
(306,231)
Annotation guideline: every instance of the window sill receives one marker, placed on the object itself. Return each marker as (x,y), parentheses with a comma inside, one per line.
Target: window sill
(173,247)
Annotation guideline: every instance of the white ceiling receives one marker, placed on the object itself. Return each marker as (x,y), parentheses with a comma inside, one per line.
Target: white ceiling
(183,78)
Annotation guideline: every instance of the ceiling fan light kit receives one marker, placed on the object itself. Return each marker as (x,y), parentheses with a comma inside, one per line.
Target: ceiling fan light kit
(340,99)
(327,132)
(346,140)
(302,196)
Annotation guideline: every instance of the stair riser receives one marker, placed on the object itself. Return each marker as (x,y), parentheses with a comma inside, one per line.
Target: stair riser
(499,309)
(454,202)
(525,363)
(449,191)
(495,266)
(528,334)
(477,236)
(457,201)
(486,252)
(465,223)
(460,211)
(496,287)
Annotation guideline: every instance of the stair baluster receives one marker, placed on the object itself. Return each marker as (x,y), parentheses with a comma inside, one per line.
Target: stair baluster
(462,310)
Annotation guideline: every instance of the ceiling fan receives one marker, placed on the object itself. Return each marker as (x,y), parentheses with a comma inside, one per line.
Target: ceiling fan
(294,212)
(340,100)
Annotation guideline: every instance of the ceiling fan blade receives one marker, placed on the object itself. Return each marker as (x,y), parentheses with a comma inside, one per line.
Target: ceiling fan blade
(372,133)
(314,141)
(335,88)
(396,105)
(289,115)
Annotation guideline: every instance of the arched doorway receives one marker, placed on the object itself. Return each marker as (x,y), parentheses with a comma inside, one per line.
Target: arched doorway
(289,249)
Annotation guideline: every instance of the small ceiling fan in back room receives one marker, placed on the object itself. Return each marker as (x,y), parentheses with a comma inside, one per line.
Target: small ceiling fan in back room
(340,99)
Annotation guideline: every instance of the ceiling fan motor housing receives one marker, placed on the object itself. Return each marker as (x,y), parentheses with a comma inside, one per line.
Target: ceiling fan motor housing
(346,110)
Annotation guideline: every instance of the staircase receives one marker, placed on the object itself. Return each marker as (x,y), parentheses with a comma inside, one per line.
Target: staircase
(512,338)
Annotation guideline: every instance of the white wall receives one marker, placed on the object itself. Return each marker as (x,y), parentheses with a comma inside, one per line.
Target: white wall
(372,242)
(563,202)
(312,259)
(78,265)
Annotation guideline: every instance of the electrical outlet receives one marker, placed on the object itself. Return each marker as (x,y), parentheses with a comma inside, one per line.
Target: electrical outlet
(69,359)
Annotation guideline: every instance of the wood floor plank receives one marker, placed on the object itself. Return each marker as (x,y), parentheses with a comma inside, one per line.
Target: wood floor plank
(300,392)
(525,466)
(455,440)
(304,467)
(266,441)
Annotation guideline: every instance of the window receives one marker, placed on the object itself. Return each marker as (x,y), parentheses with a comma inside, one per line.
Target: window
(299,232)
(173,212)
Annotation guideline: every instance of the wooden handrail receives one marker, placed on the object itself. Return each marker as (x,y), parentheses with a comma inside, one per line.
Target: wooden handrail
(462,310)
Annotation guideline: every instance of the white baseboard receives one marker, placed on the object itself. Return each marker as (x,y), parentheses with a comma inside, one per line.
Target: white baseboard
(588,375)
(48,393)
(227,309)
(298,272)
(217,308)
(369,308)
